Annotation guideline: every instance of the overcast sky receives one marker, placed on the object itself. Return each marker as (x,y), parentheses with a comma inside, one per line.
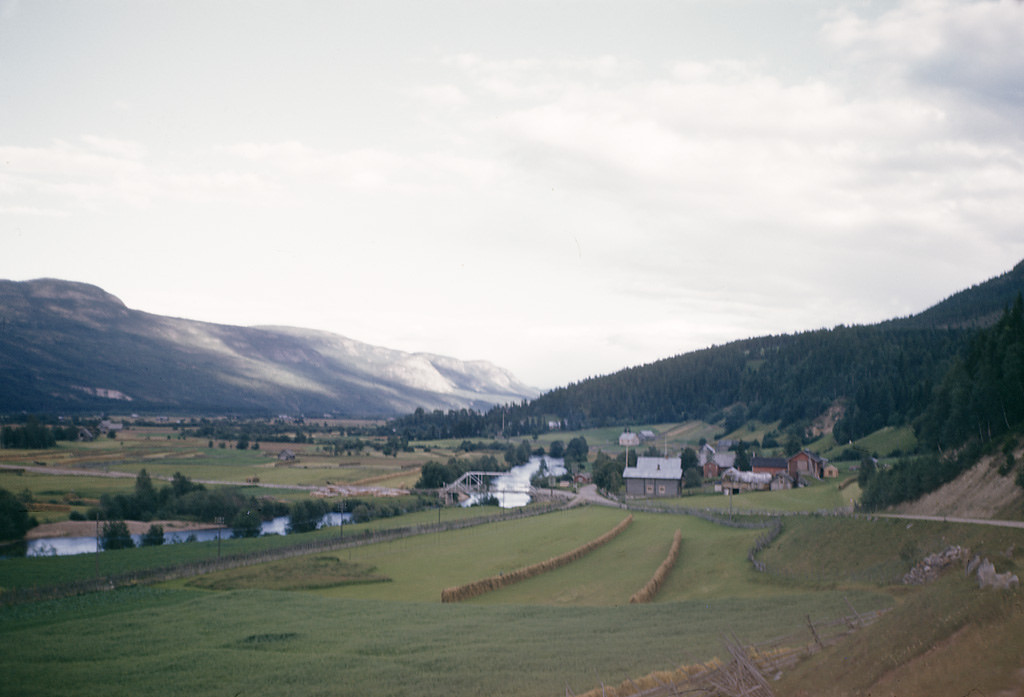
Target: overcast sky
(562,187)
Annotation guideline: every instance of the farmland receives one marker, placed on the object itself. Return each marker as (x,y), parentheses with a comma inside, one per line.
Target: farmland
(368,619)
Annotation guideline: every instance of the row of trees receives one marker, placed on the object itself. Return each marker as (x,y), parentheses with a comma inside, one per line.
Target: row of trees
(36,435)
(183,498)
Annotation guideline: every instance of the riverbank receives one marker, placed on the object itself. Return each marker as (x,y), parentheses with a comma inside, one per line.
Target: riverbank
(87,528)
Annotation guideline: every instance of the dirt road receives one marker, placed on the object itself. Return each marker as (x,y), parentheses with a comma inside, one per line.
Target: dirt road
(951,519)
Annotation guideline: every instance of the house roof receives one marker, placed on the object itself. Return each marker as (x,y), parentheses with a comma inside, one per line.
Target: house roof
(655,468)
(814,457)
(725,460)
(769,463)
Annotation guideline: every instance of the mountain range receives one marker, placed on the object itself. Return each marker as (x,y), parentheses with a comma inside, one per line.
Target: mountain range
(67,346)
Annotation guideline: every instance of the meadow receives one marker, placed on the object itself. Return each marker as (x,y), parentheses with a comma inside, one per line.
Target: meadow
(369,620)
(573,626)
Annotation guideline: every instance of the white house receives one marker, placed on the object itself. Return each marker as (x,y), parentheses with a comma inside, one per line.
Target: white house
(629,439)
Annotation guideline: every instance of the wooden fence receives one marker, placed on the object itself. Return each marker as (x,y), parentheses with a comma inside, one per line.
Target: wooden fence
(744,675)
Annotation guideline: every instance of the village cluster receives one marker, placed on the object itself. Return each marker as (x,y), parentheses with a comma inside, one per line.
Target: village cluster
(663,476)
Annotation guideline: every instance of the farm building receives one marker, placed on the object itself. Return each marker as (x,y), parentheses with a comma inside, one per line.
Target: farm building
(713,462)
(734,481)
(831,471)
(781,481)
(807,463)
(654,476)
(769,465)
(628,438)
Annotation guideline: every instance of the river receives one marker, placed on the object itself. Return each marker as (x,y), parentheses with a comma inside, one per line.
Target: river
(511,488)
(65,546)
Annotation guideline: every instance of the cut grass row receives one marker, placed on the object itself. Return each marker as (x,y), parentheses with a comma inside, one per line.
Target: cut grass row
(475,588)
(647,593)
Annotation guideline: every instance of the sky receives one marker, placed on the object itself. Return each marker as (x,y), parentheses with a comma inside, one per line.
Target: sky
(564,188)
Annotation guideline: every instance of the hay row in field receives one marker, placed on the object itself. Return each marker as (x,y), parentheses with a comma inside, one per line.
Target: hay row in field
(647,593)
(661,683)
(471,590)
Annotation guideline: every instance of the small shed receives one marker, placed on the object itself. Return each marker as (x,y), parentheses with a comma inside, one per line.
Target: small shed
(781,481)
(831,472)
(286,455)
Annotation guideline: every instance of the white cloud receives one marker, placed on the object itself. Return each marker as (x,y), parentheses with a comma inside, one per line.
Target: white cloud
(970,55)
(624,203)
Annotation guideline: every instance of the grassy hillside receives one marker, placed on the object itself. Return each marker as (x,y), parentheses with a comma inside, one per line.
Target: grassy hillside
(369,620)
(574,628)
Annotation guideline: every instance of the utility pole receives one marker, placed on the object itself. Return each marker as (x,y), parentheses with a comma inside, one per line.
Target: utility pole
(220,522)
(97,544)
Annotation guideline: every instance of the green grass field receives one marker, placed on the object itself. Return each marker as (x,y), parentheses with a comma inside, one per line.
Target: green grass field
(569,627)
(330,624)
(819,496)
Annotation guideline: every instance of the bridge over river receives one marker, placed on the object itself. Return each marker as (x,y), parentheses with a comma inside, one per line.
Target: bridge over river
(478,484)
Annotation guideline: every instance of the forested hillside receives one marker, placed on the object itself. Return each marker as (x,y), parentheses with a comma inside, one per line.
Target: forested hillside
(977,407)
(879,375)
(883,374)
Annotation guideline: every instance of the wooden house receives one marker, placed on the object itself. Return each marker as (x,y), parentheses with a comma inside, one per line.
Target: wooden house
(769,465)
(806,463)
(654,477)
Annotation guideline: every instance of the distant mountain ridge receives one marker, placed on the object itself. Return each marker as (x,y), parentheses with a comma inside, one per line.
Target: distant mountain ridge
(67,346)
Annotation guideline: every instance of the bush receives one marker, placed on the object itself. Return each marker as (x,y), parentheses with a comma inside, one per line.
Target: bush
(306,515)
(116,535)
(154,536)
(14,519)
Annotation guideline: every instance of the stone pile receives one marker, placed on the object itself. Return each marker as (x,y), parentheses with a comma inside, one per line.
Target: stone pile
(987,576)
(929,568)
